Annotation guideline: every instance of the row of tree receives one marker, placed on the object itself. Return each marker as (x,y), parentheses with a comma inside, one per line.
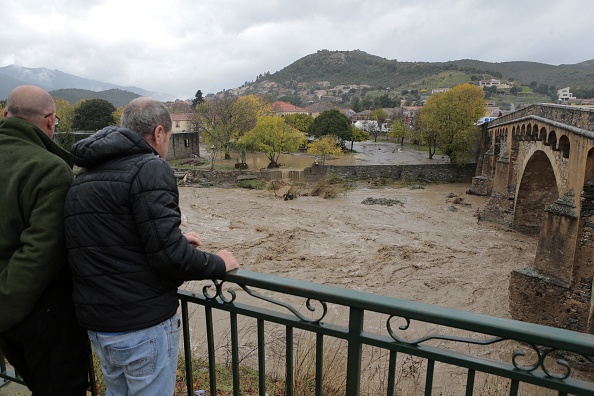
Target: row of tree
(86,115)
(445,122)
(247,123)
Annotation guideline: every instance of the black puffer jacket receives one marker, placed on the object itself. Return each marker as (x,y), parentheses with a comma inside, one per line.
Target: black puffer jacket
(125,247)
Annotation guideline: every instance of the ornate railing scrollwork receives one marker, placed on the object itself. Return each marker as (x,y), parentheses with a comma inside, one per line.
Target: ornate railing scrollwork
(435,336)
(219,292)
(541,356)
(308,303)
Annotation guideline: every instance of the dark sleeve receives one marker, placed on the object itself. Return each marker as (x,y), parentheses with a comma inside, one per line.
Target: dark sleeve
(157,215)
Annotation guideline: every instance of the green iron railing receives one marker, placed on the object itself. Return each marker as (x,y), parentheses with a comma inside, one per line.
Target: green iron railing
(543,357)
(540,357)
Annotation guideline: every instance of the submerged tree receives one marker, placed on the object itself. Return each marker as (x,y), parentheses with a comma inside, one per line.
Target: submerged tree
(324,147)
(222,121)
(272,136)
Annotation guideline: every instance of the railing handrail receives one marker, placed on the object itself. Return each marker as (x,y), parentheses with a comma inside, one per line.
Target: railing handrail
(567,340)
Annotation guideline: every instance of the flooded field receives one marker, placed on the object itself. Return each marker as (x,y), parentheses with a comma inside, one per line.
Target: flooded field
(363,153)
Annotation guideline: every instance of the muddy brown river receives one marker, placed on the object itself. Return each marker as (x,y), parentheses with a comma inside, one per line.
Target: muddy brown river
(427,246)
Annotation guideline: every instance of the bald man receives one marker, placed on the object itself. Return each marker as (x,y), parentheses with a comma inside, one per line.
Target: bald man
(38,331)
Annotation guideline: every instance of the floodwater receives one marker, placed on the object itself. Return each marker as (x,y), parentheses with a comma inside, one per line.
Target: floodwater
(428,247)
(370,153)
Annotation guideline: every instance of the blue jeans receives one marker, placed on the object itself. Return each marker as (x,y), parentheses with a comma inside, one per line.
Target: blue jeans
(141,362)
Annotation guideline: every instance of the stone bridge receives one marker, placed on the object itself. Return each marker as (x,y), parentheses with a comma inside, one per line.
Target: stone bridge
(537,167)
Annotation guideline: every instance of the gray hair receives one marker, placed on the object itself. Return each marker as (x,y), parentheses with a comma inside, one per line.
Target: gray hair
(142,115)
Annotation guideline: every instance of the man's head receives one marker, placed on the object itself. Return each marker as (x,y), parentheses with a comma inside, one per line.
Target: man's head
(33,104)
(151,120)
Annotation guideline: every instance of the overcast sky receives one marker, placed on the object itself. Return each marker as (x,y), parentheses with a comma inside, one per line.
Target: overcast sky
(181,46)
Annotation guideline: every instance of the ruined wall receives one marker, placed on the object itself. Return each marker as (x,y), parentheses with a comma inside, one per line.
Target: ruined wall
(181,145)
(430,172)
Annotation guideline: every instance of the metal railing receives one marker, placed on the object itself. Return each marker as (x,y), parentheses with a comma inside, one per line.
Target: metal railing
(539,356)
(454,349)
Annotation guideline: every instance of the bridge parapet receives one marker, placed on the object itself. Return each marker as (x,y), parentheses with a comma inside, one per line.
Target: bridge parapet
(578,117)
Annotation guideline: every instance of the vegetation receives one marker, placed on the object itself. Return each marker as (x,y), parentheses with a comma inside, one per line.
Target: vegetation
(324,147)
(330,186)
(447,121)
(116,97)
(92,115)
(332,122)
(370,81)
(65,112)
(272,136)
(223,121)
(301,122)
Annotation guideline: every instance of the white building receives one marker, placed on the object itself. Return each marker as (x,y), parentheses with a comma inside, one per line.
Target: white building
(564,95)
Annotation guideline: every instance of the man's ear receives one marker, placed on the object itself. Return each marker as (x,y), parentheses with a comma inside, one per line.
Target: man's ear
(159,134)
(4,112)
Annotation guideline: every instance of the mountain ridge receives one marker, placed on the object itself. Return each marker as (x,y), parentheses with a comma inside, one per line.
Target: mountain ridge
(338,67)
(14,75)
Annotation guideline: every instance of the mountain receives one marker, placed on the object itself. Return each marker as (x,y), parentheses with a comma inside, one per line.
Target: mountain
(52,80)
(117,97)
(359,67)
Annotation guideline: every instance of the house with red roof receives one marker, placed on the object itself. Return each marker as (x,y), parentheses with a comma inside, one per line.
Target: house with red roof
(283,108)
(182,122)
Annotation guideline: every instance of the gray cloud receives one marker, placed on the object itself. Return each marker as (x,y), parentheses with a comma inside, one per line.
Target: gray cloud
(180,46)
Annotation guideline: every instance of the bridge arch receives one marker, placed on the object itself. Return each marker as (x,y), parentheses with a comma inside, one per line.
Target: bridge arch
(543,182)
(564,146)
(537,189)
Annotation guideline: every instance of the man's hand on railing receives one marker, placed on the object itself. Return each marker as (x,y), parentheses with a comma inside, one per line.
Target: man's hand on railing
(230,262)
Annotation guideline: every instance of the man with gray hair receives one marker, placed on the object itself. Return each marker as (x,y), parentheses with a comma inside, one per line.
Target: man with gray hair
(127,252)
(39,334)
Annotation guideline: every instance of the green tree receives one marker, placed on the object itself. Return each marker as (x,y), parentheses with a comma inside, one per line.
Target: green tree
(197,98)
(65,112)
(301,122)
(293,99)
(332,122)
(398,130)
(356,104)
(92,115)
(117,114)
(272,136)
(324,147)
(380,116)
(223,120)
(358,135)
(447,120)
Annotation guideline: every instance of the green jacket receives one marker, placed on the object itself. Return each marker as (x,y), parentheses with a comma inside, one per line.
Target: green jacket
(35,174)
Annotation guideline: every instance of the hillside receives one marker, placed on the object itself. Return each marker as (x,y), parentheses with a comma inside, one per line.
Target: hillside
(53,80)
(327,69)
(358,67)
(117,97)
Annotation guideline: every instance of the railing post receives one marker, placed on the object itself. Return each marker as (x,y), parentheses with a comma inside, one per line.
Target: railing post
(187,347)
(354,352)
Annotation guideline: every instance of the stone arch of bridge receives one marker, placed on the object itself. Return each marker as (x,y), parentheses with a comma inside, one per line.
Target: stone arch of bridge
(537,188)
(539,175)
